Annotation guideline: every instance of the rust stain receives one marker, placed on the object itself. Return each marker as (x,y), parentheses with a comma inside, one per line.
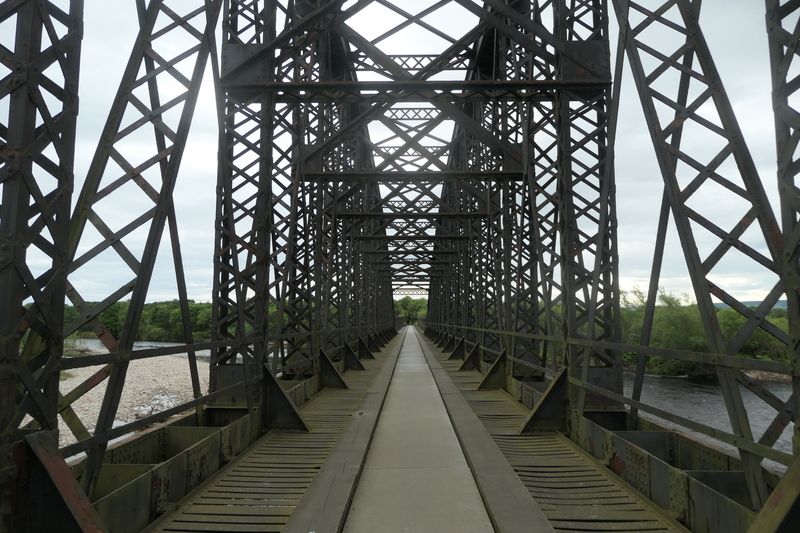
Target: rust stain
(776,498)
(617,465)
(78,503)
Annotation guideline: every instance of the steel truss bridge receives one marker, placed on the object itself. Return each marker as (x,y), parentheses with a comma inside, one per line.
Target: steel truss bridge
(479,173)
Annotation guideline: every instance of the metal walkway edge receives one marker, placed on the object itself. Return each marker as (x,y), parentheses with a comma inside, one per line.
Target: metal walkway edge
(572,489)
(260,490)
(415,477)
(391,460)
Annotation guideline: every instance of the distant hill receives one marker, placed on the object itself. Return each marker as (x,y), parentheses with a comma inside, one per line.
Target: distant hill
(781,304)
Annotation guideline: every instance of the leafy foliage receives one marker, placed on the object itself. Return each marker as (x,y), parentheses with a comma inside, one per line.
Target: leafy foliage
(411,309)
(677,325)
(161,321)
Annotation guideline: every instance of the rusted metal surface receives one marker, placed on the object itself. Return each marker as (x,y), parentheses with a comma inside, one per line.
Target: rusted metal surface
(260,489)
(148,473)
(782,511)
(492,192)
(573,490)
(80,507)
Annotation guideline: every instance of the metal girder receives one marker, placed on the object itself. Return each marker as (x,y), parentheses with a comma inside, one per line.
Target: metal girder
(412,238)
(708,170)
(419,262)
(411,216)
(410,292)
(479,173)
(37,136)
(587,219)
(116,168)
(784,46)
(402,176)
(411,251)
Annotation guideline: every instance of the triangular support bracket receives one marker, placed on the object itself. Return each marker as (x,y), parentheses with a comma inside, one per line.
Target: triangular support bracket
(372,345)
(351,360)
(279,410)
(377,341)
(443,342)
(550,412)
(473,359)
(383,338)
(458,351)
(451,343)
(495,377)
(329,375)
(66,501)
(363,350)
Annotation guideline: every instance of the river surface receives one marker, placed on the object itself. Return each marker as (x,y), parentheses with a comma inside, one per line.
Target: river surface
(700,401)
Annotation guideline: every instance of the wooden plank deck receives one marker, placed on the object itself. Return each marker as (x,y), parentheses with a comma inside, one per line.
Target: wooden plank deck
(574,491)
(259,490)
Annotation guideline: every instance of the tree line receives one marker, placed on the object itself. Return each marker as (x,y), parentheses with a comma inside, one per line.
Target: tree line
(411,309)
(676,325)
(160,321)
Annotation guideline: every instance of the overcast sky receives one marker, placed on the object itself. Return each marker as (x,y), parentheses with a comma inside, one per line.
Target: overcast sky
(736,34)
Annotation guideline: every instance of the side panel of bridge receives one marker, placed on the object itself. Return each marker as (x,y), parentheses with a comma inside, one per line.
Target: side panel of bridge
(465,151)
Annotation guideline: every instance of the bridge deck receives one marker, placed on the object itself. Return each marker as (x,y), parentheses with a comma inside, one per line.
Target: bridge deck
(572,489)
(415,477)
(260,490)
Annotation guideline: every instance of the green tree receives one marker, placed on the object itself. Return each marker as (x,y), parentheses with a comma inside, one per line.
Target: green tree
(410,309)
(676,325)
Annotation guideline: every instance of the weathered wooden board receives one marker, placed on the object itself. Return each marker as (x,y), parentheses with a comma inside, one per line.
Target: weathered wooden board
(259,490)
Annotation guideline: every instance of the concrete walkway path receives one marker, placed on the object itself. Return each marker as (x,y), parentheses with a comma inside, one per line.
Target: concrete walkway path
(415,478)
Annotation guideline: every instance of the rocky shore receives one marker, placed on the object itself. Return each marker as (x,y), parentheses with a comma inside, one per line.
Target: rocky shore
(151,386)
(768,377)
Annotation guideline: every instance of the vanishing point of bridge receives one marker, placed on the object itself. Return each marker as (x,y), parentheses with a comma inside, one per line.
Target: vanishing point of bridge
(459,149)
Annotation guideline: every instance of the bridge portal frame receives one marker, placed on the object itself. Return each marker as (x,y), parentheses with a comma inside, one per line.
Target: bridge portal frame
(304,191)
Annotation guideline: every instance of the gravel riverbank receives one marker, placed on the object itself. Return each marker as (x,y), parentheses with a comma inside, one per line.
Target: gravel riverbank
(151,386)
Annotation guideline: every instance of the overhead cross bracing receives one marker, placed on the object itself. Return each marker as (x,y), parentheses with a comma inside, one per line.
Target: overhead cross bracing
(462,150)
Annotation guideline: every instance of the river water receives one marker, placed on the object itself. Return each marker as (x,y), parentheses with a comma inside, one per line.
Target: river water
(700,401)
